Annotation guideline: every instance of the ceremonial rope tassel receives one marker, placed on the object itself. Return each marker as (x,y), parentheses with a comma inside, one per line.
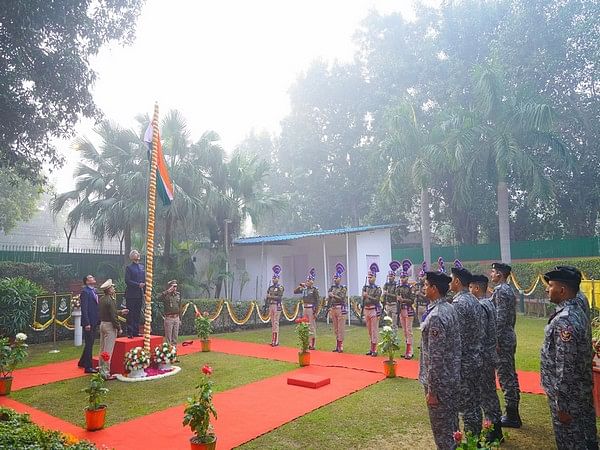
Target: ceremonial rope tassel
(150,231)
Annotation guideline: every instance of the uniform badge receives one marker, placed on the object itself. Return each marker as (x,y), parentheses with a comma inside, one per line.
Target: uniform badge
(434,332)
(566,334)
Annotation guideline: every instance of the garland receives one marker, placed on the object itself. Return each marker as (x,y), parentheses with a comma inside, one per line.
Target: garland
(234,318)
(291,317)
(263,319)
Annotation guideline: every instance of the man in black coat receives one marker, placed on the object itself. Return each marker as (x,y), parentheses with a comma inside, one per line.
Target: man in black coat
(135,281)
(90,319)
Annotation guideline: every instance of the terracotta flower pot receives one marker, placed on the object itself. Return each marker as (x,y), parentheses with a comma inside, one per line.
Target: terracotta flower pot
(196,445)
(94,418)
(304,358)
(205,343)
(5,385)
(389,368)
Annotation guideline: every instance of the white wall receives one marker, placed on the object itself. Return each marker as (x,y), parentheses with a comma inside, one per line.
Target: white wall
(372,246)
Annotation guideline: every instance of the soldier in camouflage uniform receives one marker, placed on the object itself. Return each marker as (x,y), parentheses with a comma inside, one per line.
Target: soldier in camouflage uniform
(390,301)
(566,364)
(310,303)
(489,397)
(470,319)
(336,302)
(439,364)
(273,300)
(506,315)
(418,290)
(371,295)
(406,301)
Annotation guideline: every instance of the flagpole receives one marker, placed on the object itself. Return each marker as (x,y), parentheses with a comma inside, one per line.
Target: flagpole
(150,231)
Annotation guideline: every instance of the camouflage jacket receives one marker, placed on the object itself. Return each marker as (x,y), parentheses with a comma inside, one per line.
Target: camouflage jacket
(373,295)
(408,298)
(566,358)
(439,362)
(506,313)
(490,340)
(274,294)
(471,324)
(310,296)
(389,293)
(339,295)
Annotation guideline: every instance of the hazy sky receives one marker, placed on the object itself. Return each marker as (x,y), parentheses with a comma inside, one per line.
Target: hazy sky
(227,65)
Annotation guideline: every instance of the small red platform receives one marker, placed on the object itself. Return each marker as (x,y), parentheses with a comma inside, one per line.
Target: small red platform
(309,381)
(122,346)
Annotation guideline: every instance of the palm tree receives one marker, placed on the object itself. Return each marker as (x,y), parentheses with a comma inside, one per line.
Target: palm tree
(504,134)
(110,184)
(410,151)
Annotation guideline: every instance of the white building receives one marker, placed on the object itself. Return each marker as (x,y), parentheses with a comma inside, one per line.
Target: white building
(296,253)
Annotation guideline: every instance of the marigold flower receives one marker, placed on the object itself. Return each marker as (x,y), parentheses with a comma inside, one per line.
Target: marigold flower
(207,370)
(105,356)
(458,437)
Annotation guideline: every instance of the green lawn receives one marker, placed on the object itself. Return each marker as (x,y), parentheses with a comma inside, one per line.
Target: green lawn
(65,399)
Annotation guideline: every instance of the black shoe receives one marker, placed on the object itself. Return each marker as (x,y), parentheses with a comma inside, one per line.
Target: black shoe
(512,418)
(495,435)
(129,336)
(373,353)
(335,350)
(90,370)
(369,353)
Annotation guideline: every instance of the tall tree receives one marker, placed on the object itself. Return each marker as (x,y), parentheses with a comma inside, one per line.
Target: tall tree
(45,73)
(18,199)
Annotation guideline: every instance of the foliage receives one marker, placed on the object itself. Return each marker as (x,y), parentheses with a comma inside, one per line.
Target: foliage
(46,76)
(165,353)
(137,358)
(466,441)
(18,200)
(203,326)
(200,407)
(18,431)
(95,391)
(389,342)
(52,277)
(12,354)
(17,297)
(303,333)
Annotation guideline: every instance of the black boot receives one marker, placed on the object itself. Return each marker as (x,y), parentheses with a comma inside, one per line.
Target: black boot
(495,435)
(512,418)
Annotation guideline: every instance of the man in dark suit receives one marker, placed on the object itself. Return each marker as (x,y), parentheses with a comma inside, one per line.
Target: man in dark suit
(90,319)
(135,281)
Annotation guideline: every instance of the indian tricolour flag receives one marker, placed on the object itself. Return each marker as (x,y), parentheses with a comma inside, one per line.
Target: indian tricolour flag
(164,185)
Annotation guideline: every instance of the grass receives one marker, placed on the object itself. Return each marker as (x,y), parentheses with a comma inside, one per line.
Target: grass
(65,400)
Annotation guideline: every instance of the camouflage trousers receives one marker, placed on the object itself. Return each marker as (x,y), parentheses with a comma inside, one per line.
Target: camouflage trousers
(507,374)
(444,422)
(470,399)
(579,434)
(489,397)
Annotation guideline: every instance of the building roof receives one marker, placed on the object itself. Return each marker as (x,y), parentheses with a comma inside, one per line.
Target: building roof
(283,238)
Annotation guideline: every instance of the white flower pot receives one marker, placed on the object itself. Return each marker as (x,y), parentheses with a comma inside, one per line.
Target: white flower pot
(165,366)
(137,373)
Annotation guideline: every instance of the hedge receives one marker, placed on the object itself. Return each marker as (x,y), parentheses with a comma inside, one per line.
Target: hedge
(18,431)
(53,278)
(17,297)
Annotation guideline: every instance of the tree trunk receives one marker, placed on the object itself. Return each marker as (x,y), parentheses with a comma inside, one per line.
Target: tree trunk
(503,222)
(425,226)
(127,241)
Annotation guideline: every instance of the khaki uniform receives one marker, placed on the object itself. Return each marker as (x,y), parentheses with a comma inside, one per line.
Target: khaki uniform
(109,324)
(337,312)
(172,310)
(372,313)
(407,313)
(390,302)
(310,302)
(274,296)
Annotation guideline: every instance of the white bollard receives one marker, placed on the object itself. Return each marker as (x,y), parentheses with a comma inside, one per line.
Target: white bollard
(78,339)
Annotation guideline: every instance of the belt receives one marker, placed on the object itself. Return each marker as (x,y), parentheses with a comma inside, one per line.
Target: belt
(171,315)
(370,307)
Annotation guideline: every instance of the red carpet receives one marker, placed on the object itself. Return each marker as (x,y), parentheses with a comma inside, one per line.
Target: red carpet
(48,373)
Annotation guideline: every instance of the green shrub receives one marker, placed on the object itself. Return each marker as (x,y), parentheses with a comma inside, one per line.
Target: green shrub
(18,431)
(50,277)
(16,305)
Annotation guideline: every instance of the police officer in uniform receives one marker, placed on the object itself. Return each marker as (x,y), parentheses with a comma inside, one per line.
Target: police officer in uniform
(407,312)
(439,364)
(273,301)
(489,397)
(566,364)
(310,302)
(371,294)
(336,303)
(417,288)
(390,299)
(470,318)
(171,299)
(506,315)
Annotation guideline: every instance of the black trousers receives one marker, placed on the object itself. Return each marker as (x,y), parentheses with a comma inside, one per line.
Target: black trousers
(134,305)
(88,347)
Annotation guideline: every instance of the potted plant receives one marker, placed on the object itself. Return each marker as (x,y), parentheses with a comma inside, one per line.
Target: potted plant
(136,360)
(11,354)
(303,334)
(467,441)
(95,413)
(197,413)
(203,330)
(104,367)
(389,345)
(165,355)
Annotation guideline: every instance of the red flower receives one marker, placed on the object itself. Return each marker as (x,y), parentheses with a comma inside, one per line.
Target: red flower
(458,436)
(487,424)
(298,321)
(198,314)
(305,320)
(207,370)
(105,356)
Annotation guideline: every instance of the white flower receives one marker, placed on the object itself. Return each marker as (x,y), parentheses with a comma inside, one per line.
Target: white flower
(387,328)
(388,319)
(21,337)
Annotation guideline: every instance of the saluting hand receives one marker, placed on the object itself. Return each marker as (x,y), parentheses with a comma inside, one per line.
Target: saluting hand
(565,417)
(432,399)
